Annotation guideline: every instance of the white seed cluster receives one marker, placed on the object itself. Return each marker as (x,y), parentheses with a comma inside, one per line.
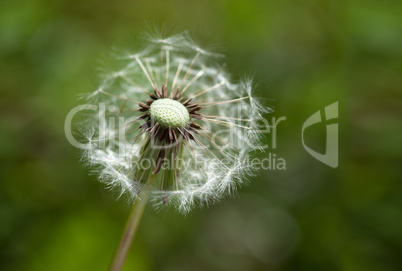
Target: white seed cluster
(209,166)
(168,112)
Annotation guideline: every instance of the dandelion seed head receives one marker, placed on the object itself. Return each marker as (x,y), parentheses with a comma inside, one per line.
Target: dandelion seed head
(170,113)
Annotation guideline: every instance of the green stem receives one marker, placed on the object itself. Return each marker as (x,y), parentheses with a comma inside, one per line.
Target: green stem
(129,231)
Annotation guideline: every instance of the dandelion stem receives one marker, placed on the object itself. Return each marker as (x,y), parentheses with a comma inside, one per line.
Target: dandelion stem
(129,232)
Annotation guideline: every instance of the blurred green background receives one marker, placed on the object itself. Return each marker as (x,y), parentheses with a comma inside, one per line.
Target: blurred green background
(304,56)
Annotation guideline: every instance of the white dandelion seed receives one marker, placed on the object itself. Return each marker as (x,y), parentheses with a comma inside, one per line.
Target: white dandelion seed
(175,122)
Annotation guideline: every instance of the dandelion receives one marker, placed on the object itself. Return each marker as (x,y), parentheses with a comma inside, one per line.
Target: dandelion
(172,127)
